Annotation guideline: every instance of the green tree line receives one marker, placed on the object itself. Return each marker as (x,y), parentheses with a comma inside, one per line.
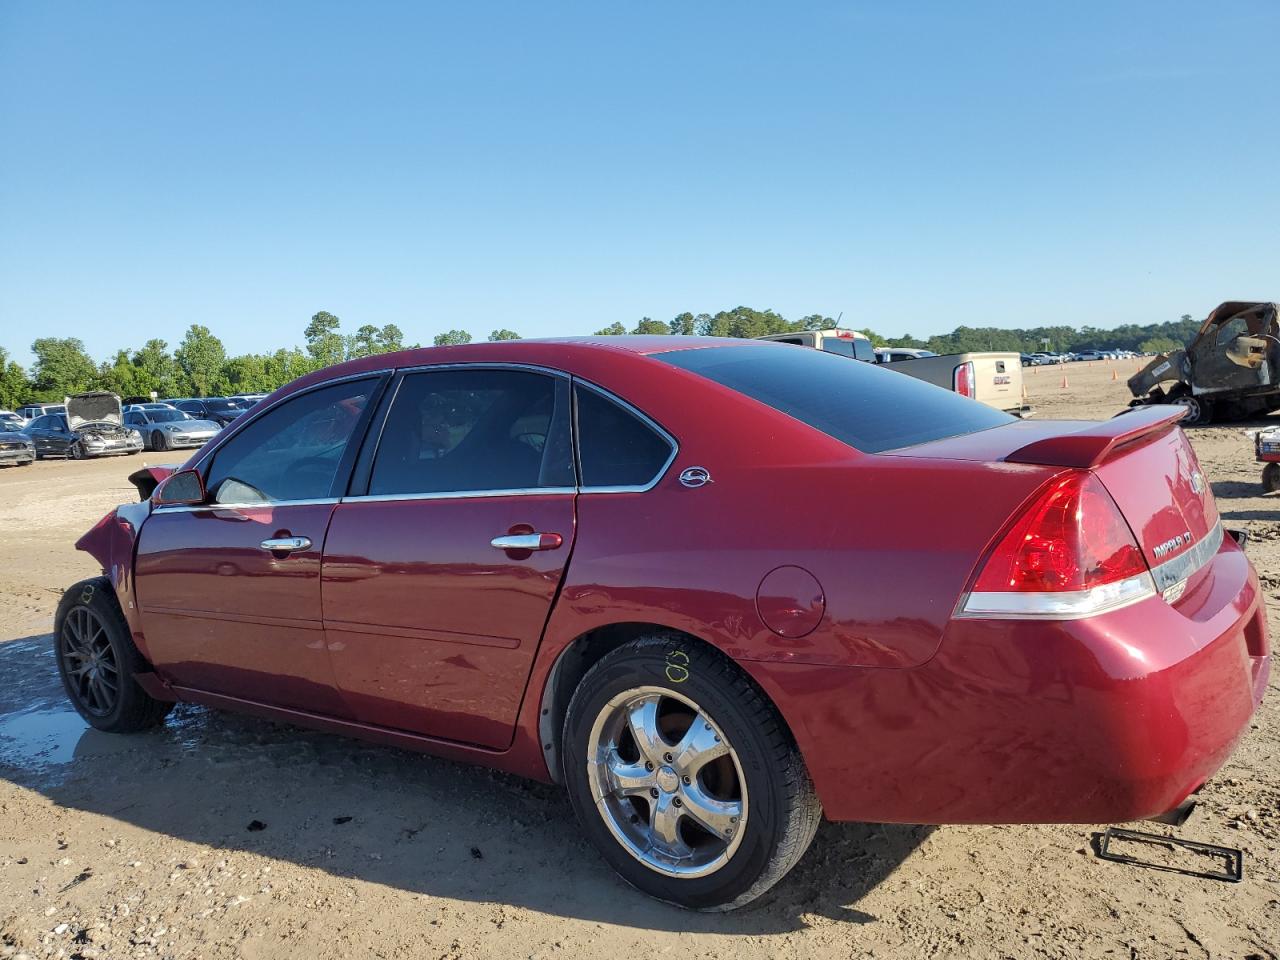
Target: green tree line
(199,365)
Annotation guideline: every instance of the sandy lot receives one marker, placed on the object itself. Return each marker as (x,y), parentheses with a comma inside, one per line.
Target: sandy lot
(142,846)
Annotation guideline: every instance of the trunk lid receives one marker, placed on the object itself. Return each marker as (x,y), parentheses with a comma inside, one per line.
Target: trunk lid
(96,407)
(1143,459)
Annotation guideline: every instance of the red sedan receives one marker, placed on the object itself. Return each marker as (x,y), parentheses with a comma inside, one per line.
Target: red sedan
(717,589)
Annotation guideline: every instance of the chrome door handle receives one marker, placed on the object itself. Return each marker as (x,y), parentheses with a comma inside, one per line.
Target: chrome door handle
(277,544)
(527,541)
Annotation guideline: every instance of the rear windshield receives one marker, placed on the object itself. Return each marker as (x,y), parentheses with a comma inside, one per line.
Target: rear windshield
(870,408)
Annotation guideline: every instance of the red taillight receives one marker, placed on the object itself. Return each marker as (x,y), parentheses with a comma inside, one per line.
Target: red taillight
(963,379)
(1069,554)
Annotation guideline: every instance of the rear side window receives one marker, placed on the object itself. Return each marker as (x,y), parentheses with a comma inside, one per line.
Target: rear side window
(616,448)
(472,431)
(292,452)
(868,407)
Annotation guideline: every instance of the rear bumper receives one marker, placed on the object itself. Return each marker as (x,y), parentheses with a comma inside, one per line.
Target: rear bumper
(1115,718)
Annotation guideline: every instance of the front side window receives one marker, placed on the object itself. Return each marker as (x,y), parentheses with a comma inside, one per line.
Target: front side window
(468,431)
(292,452)
(616,448)
(41,423)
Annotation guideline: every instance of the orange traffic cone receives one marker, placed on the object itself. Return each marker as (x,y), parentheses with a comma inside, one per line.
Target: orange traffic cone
(1064,381)
(1113,374)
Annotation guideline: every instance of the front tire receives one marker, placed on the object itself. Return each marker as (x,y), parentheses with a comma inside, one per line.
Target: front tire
(77,451)
(684,776)
(1199,412)
(159,441)
(97,661)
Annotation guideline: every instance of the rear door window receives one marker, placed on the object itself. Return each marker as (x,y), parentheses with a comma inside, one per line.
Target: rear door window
(475,431)
(296,451)
(866,406)
(617,448)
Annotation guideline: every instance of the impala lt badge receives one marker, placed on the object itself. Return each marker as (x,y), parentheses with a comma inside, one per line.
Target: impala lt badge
(1162,550)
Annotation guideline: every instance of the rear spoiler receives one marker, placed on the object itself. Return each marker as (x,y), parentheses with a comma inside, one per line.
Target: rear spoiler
(1092,444)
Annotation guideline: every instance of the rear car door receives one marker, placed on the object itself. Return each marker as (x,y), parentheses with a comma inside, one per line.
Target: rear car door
(229,591)
(440,570)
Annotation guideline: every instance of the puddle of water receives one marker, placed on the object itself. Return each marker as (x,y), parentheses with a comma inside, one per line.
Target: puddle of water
(41,737)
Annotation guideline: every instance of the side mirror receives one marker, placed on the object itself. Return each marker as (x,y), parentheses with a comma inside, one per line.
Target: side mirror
(184,488)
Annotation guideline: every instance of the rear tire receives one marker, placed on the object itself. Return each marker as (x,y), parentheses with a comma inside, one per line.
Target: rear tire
(710,751)
(97,661)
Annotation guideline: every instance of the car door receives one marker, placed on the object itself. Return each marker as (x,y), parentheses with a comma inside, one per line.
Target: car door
(440,570)
(37,430)
(57,435)
(229,591)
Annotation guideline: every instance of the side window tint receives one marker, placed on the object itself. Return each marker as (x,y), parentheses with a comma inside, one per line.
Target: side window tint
(40,423)
(844,348)
(292,452)
(863,350)
(615,447)
(474,430)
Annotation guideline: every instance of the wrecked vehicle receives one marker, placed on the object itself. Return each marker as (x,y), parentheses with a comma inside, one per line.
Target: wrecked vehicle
(1230,371)
(93,426)
(568,560)
(16,449)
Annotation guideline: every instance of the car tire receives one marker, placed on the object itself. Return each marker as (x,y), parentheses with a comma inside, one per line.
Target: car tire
(715,745)
(159,441)
(97,661)
(77,451)
(1199,412)
(1271,477)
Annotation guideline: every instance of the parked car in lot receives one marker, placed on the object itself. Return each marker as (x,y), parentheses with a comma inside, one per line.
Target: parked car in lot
(93,426)
(221,410)
(11,421)
(573,560)
(16,449)
(166,428)
(29,411)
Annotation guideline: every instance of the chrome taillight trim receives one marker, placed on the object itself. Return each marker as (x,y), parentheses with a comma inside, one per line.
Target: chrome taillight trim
(1065,605)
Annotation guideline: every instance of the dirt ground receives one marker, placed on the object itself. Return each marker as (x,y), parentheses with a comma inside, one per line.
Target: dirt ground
(223,836)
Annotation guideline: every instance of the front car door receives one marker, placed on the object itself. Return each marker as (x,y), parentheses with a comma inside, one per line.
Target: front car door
(440,571)
(229,591)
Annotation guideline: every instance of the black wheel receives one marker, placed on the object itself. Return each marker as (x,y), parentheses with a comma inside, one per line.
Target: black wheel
(77,451)
(684,776)
(1271,477)
(97,661)
(159,441)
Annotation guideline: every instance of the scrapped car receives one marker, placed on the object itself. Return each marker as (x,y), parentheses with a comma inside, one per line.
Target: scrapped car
(16,449)
(93,426)
(11,421)
(1229,371)
(582,561)
(169,428)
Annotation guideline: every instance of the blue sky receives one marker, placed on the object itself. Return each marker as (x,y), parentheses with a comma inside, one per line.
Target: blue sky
(554,167)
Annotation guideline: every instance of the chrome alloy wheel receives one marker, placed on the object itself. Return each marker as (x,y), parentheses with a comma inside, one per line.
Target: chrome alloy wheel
(89,661)
(667,782)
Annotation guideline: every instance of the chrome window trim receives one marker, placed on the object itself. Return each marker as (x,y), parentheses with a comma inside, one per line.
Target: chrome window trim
(192,508)
(460,494)
(644,418)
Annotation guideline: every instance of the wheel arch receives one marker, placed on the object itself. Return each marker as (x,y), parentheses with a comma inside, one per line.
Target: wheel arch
(586,650)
